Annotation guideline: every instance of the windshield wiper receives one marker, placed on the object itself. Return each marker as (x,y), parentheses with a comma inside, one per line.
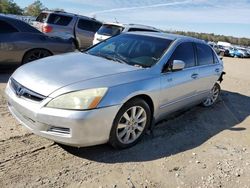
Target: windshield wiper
(109,57)
(121,58)
(99,55)
(140,65)
(117,58)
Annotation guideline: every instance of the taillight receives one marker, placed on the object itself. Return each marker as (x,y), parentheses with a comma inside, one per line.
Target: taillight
(47,29)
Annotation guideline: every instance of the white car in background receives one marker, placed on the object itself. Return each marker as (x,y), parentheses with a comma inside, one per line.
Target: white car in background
(108,30)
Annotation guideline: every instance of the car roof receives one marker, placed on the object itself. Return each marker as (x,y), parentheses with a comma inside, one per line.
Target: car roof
(132,25)
(19,24)
(8,18)
(69,14)
(168,36)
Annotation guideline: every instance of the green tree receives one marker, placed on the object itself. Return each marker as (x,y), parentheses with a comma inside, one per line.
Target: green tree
(215,38)
(34,9)
(9,7)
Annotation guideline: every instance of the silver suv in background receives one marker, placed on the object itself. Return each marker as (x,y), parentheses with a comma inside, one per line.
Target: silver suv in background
(66,25)
(111,29)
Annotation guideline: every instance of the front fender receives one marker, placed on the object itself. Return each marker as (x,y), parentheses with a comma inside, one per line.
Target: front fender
(118,95)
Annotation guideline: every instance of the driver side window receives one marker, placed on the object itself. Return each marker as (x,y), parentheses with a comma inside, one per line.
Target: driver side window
(184,52)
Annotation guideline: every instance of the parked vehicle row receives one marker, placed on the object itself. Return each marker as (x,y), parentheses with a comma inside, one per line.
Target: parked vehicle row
(66,25)
(21,43)
(237,52)
(84,30)
(56,32)
(111,29)
(116,90)
(226,49)
(217,48)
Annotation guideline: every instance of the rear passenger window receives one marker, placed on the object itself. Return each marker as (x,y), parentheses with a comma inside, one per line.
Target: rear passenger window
(59,19)
(42,17)
(7,28)
(184,52)
(204,54)
(88,25)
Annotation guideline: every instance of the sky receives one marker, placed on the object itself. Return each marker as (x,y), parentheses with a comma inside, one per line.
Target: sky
(227,17)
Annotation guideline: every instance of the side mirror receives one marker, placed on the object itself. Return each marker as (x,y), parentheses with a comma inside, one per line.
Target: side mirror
(178,65)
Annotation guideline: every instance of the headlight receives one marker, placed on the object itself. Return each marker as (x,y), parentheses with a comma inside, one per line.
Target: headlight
(78,100)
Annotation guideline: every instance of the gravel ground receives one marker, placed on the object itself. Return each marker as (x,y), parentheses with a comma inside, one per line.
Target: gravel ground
(203,147)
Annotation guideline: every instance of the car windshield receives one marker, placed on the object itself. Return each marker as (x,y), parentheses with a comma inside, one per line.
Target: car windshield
(109,30)
(132,49)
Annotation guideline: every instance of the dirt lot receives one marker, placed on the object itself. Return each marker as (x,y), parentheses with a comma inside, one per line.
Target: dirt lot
(204,147)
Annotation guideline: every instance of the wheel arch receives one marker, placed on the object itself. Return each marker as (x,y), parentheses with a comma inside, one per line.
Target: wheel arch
(29,50)
(148,100)
(75,42)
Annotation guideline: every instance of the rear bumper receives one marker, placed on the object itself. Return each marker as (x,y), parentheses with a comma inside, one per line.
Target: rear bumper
(74,128)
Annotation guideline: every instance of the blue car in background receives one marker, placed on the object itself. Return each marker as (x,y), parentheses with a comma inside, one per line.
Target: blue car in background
(236,52)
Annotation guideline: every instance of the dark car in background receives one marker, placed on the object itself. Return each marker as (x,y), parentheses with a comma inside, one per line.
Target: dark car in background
(217,48)
(66,25)
(21,43)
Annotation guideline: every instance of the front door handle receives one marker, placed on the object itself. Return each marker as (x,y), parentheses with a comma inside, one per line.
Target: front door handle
(194,76)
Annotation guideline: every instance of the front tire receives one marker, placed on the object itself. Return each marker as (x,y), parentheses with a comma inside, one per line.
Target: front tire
(130,124)
(213,96)
(35,55)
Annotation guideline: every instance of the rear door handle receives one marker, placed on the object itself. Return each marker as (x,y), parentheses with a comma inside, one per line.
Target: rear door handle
(194,76)
(170,79)
(217,70)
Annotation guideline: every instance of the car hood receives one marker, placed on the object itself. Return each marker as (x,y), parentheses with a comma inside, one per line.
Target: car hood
(50,74)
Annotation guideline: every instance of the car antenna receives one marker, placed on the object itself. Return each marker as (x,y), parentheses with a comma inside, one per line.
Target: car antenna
(116,20)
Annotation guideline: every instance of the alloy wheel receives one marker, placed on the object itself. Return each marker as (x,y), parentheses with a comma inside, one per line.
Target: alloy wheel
(131,125)
(35,55)
(213,96)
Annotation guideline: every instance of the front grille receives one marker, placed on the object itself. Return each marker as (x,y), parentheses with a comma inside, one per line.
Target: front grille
(24,92)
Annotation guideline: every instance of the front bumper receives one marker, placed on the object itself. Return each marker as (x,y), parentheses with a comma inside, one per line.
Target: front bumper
(73,128)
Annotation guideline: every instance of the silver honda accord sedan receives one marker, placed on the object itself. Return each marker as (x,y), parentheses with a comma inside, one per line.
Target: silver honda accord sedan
(114,91)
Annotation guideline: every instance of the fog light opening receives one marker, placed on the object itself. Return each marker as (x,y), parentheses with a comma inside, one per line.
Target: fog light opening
(60,130)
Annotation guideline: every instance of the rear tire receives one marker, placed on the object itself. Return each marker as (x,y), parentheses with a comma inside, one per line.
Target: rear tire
(213,96)
(35,55)
(130,124)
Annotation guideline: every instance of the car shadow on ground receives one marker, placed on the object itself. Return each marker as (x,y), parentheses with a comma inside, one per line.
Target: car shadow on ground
(187,131)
